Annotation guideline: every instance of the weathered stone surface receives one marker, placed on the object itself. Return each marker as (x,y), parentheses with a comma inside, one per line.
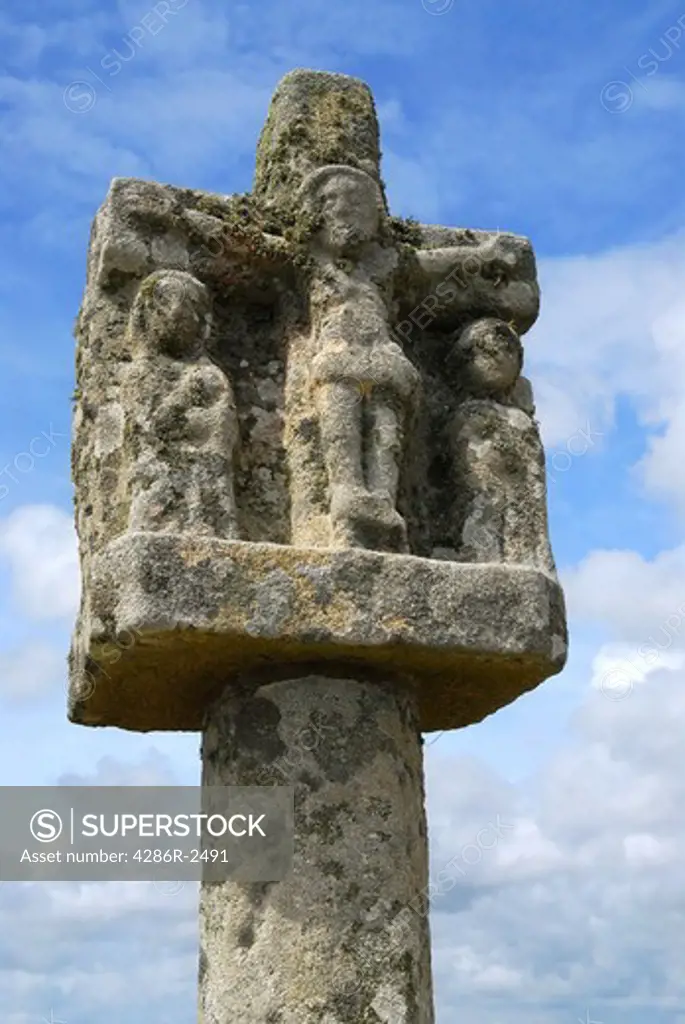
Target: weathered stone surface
(315,119)
(144,228)
(195,614)
(350,371)
(181,426)
(468,275)
(344,939)
(500,510)
(289,328)
(310,494)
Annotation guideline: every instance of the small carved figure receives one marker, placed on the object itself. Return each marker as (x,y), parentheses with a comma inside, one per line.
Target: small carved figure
(501,509)
(365,389)
(183,426)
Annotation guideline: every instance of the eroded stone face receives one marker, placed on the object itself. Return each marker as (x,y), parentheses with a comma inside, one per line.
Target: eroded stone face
(492,357)
(171,316)
(349,204)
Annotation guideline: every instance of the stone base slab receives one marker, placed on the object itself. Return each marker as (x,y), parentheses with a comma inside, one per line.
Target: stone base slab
(173,618)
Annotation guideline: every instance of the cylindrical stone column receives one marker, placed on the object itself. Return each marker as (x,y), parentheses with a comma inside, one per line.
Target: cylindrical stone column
(345,937)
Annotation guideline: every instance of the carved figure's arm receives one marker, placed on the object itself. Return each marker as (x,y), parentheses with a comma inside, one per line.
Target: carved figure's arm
(210,238)
(210,409)
(118,246)
(199,386)
(495,275)
(228,247)
(522,396)
(238,240)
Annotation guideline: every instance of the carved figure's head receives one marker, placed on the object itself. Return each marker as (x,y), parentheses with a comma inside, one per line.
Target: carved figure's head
(346,205)
(171,315)
(493,356)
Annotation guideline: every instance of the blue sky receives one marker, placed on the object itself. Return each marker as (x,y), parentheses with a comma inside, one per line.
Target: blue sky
(561,123)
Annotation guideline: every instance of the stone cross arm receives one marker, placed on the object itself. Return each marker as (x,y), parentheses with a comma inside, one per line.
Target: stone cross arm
(480,273)
(449,272)
(144,226)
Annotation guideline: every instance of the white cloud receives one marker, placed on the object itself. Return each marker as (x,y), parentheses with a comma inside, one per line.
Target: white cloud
(661,467)
(640,599)
(610,324)
(47,926)
(39,543)
(613,325)
(579,900)
(526,852)
(153,769)
(644,850)
(141,937)
(618,668)
(579,897)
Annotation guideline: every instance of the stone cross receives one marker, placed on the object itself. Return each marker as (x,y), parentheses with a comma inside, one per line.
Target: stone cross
(310,483)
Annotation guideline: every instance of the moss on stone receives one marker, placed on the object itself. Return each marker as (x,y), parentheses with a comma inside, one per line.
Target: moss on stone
(334,869)
(326,823)
(406,230)
(334,122)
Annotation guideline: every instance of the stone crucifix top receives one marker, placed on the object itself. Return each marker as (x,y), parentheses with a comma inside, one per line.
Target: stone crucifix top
(303,450)
(296,367)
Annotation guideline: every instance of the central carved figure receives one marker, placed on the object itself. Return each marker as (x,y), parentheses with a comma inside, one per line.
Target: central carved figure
(365,390)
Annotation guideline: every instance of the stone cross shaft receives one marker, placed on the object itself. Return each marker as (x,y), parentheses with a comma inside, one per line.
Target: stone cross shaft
(310,485)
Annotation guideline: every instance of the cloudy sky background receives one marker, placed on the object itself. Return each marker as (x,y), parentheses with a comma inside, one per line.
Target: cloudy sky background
(565,123)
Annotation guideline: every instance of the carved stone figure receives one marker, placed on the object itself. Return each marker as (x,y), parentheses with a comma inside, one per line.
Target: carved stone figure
(364,388)
(182,417)
(501,511)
